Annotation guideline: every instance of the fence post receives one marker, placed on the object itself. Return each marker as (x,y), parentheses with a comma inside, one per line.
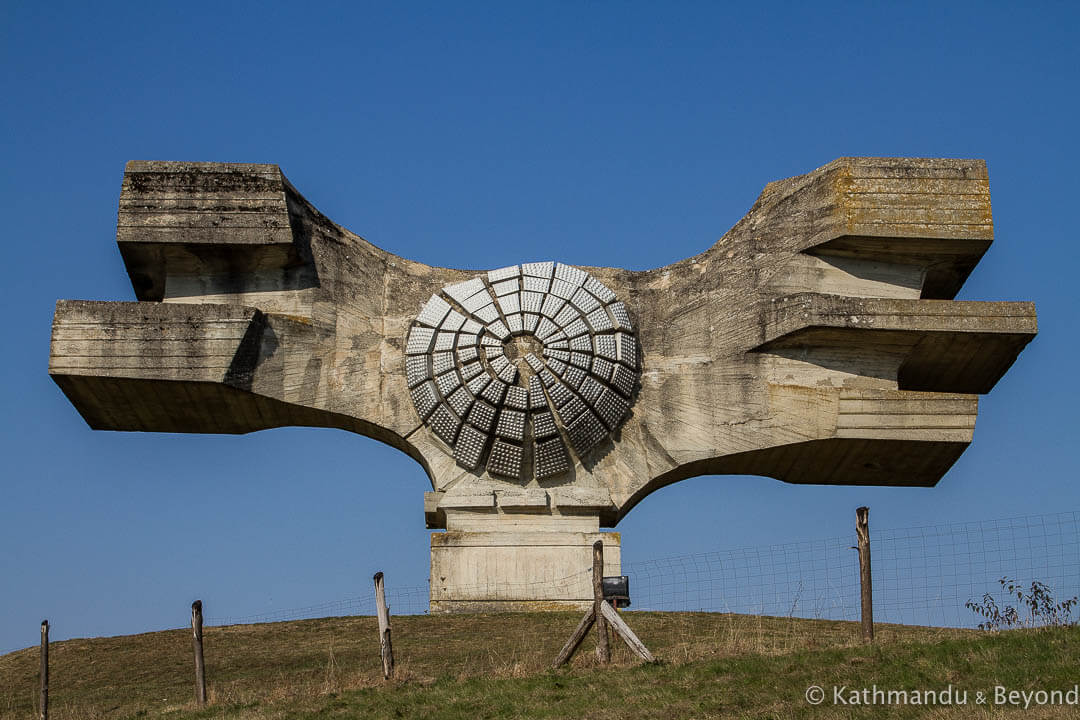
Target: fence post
(44,670)
(196,642)
(603,650)
(866,588)
(579,634)
(623,630)
(385,646)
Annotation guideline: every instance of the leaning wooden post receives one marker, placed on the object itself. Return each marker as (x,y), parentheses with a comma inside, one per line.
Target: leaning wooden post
(579,634)
(603,650)
(44,670)
(196,642)
(862,529)
(385,646)
(623,630)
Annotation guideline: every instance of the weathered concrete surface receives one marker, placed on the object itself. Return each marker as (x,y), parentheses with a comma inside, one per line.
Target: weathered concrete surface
(815,342)
(516,568)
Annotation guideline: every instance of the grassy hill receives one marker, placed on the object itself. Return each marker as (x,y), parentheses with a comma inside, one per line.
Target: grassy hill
(496,666)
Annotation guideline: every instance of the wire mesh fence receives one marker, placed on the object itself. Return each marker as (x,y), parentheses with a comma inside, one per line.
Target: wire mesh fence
(400,600)
(813,579)
(925,575)
(921,575)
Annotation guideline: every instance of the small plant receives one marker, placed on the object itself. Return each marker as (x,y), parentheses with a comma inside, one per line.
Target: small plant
(1041,610)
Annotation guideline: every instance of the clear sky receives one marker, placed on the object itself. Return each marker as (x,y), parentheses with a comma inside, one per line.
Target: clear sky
(474,135)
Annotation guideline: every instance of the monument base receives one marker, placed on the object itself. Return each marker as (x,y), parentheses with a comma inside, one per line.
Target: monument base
(516,571)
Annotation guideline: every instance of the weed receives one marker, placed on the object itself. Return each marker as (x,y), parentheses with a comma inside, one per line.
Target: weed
(1041,610)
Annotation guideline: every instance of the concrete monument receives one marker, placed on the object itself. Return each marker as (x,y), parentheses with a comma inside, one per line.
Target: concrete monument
(816,342)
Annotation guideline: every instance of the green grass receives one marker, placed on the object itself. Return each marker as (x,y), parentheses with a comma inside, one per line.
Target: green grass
(496,666)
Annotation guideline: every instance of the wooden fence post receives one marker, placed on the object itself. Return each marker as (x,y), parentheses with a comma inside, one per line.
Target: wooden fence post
(603,650)
(862,530)
(578,635)
(623,630)
(44,670)
(603,615)
(385,646)
(196,642)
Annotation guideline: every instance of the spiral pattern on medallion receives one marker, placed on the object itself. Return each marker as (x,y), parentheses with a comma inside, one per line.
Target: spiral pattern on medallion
(507,368)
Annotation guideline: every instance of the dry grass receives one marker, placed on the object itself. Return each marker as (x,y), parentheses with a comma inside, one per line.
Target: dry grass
(332,666)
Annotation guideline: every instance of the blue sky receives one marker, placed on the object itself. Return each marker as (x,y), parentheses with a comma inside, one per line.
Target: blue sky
(473,135)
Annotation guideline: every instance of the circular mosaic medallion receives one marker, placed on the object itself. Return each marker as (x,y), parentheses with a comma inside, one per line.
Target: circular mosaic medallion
(511,367)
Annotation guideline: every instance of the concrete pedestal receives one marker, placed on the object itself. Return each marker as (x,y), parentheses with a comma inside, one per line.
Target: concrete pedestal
(478,571)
